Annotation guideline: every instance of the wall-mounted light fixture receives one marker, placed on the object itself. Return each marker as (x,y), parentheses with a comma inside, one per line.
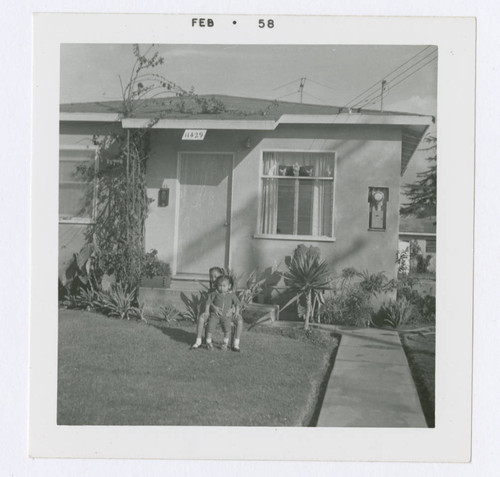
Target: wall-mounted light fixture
(247,143)
(163,195)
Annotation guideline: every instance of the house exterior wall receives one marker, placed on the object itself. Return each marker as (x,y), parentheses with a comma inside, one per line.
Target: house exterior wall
(72,235)
(366,156)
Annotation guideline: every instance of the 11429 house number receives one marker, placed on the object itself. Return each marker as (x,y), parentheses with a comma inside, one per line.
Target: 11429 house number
(194,134)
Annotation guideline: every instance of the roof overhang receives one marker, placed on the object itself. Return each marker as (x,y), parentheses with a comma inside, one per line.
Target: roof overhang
(414,127)
(417,235)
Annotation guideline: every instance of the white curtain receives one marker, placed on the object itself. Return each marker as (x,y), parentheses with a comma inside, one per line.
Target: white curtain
(321,208)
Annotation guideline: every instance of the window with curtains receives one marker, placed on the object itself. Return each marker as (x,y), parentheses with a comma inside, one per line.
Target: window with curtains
(297,194)
(76,192)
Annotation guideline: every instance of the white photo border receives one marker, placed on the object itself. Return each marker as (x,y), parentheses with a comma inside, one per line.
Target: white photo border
(450,440)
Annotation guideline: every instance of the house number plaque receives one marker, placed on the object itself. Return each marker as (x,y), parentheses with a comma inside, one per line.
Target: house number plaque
(194,134)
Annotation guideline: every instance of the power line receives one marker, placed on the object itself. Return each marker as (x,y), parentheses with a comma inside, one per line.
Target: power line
(315,97)
(321,84)
(289,94)
(286,84)
(399,82)
(386,76)
(367,98)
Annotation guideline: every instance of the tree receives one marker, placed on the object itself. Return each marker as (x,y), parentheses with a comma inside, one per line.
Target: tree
(422,194)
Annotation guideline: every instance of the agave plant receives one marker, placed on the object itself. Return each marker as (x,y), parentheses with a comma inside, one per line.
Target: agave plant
(307,277)
(169,312)
(253,286)
(397,312)
(141,311)
(119,301)
(194,305)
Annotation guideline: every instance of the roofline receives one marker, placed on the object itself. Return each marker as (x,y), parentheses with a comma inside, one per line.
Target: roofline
(419,234)
(252,124)
(90,117)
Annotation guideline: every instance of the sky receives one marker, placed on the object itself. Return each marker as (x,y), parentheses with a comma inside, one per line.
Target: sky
(335,74)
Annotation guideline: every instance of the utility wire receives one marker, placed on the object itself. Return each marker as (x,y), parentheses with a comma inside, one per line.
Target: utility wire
(367,98)
(321,84)
(286,84)
(377,84)
(315,97)
(289,94)
(399,82)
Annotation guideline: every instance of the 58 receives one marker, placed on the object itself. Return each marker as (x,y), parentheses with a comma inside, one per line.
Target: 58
(263,23)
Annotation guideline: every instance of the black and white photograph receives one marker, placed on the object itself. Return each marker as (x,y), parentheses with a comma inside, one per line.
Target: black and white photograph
(244,231)
(247,235)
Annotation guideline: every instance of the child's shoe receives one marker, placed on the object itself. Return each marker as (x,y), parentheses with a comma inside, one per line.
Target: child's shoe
(196,346)
(224,347)
(210,346)
(236,348)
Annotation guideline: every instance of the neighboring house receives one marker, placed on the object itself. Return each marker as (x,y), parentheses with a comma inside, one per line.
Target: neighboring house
(259,179)
(423,232)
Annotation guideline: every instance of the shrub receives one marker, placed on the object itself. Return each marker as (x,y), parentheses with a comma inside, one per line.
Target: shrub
(194,305)
(397,312)
(352,293)
(152,266)
(119,301)
(88,299)
(351,308)
(423,307)
(169,312)
(252,286)
(140,311)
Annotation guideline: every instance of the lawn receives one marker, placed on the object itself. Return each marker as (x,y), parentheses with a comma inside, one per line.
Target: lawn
(421,353)
(114,372)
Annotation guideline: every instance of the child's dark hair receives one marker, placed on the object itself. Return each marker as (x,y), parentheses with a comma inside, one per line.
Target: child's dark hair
(219,270)
(216,269)
(225,278)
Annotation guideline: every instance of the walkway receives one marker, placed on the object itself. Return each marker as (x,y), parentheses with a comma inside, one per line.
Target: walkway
(371,384)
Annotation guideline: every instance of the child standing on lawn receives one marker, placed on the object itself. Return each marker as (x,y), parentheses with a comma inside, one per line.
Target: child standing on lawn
(222,304)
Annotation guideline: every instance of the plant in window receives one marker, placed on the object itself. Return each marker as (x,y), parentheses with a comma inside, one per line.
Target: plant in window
(307,278)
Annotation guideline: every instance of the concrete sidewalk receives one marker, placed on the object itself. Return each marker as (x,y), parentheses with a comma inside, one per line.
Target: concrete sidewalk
(371,384)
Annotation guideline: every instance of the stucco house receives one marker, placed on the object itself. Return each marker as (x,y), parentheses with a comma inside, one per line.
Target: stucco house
(249,183)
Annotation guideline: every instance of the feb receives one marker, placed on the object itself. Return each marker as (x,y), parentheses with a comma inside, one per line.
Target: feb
(202,22)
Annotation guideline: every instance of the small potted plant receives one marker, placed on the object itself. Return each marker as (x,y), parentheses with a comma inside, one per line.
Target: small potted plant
(155,273)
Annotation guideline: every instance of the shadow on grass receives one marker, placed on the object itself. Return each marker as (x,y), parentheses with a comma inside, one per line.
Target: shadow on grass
(178,334)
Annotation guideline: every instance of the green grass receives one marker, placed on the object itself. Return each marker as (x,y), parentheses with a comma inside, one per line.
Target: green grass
(421,353)
(114,372)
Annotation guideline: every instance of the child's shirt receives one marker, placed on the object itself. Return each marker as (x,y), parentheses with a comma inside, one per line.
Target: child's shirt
(223,301)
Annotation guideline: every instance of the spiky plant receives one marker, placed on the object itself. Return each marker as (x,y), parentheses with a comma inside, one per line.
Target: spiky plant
(119,301)
(307,277)
(397,312)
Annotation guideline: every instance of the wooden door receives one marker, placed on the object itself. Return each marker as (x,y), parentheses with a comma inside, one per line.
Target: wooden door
(204,212)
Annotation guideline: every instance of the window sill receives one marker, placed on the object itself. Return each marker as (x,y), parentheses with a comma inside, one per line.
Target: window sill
(77,221)
(377,230)
(299,238)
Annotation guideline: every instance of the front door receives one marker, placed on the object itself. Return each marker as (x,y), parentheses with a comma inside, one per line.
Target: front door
(204,212)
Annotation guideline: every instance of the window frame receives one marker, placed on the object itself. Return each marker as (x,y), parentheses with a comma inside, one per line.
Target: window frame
(91,149)
(261,176)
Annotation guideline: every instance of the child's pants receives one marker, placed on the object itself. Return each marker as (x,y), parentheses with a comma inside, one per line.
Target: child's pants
(225,322)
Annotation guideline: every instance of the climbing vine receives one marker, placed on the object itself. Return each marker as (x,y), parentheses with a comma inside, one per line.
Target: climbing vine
(117,234)
(121,193)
